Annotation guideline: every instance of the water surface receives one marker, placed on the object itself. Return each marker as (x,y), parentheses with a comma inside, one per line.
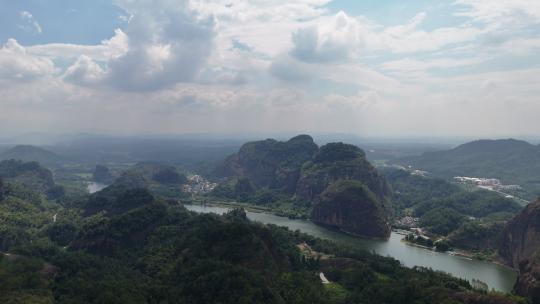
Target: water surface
(95,187)
(496,276)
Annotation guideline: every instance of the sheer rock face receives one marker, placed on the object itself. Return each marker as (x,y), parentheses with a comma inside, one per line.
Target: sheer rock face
(353,208)
(520,248)
(335,162)
(528,282)
(270,163)
(521,236)
(2,189)
(343,188)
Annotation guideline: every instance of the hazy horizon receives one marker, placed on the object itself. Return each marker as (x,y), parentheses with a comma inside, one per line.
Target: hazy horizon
(44,139)
(459,69)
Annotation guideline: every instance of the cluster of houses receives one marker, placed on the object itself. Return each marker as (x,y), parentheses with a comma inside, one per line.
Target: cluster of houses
(197,184)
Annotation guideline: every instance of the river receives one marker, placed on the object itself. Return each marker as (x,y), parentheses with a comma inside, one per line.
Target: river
(95,187)
(497,277)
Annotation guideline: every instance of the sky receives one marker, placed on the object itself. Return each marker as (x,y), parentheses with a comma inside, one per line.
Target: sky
(370,68)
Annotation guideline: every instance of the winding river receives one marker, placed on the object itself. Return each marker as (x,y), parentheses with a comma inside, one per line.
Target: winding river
(497,277)
(95,187)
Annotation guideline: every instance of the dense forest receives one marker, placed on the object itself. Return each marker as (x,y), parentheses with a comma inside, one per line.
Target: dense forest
(512,161)
(444,207)
(125,246)
(133,242)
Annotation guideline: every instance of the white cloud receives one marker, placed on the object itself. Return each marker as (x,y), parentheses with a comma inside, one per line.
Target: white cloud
(29,23)
(411,65)
(500,10)
(84,71)
(108,49)
(339,39)
(277,65)
(359,101)
(165,46)
(16,65)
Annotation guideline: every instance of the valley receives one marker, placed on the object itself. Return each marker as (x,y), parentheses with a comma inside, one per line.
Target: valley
(329,192)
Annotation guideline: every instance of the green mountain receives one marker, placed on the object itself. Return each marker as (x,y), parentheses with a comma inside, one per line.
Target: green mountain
(102,175)
(161,253)
(512,161)
(294,175)
(443,207)
(270,163)
(353,208)
(23,212)
(30,174)
(160,179)
(31,153)
(335,162)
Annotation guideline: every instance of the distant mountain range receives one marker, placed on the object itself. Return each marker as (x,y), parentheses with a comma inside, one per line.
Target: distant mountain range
(31,153)
(510,160)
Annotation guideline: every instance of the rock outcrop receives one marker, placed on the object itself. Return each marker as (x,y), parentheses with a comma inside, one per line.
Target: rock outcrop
(102,175)
(528,282)
(520,248)
(352,207)
(342,188)
(2,190)
(271,163)
(521,236)
(30,174)
(335,162)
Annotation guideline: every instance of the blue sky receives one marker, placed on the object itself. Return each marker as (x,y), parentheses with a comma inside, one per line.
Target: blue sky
(372,68)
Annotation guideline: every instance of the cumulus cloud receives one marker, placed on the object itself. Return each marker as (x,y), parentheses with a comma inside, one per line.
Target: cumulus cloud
(16,65)
(221,65)
(165,46)
(337,40)
(84,71)
(290,70)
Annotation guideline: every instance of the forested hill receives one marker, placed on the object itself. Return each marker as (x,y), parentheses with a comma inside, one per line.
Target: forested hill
(31,153)
(298,174)
(512,161)
(30,174)
(158,252)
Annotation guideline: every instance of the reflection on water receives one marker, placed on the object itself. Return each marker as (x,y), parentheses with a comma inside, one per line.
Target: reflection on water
(496,276)
(95,187)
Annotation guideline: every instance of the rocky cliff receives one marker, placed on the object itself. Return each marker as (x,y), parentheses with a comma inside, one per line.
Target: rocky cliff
(336,181)
(2,189)
(528,282)
(521,236)
(520,248)
(335,162)
(271,163)
(352,207)
(30,174)
(102,175)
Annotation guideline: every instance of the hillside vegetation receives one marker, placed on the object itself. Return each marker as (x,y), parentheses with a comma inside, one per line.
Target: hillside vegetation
(512,161)
(292,176)
(443,207)
(150,251)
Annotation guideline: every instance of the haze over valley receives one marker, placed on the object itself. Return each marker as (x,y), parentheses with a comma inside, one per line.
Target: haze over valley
(304,151)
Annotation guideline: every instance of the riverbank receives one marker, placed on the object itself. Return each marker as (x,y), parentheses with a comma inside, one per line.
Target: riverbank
(471,255)
(457,252)
(497,277)
(250,207)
